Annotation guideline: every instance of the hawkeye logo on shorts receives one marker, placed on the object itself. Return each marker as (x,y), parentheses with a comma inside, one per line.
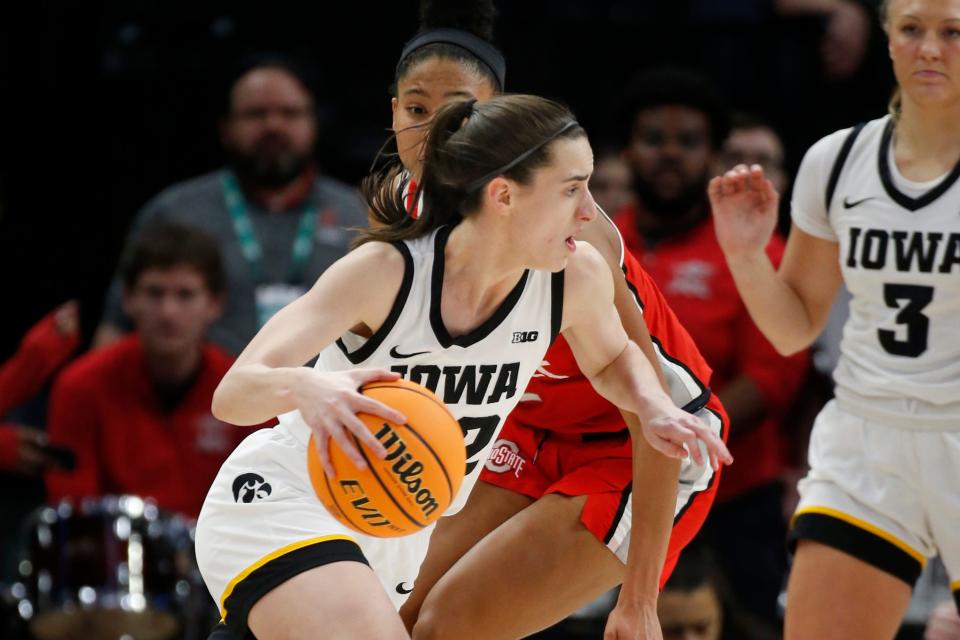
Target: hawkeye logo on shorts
(504,457)
(248,487)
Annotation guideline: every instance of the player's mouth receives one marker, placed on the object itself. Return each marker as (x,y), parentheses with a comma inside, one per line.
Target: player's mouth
(571,241)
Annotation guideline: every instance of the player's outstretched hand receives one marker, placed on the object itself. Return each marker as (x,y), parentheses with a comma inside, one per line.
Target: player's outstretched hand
(745,207)
(676,433)
(329,402)
(633,623)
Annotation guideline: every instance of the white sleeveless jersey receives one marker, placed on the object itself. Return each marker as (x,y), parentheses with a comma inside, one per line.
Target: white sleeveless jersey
(899,249)
(480,376)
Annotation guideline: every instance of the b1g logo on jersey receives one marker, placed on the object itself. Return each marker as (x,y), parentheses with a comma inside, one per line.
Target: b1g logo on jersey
(505,456)
(525,336)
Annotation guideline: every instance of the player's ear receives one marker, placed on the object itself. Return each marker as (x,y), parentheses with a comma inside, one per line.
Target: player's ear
(499,192)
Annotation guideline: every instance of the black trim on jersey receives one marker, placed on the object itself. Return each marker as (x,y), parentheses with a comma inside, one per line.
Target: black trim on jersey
(699,402)
(662,352)
(902,199)
(681,364)
(595,436)
(856,542)
(623,257)
(264,579)
(373,342)
(624,500)
(436,290)
(840,161)
(956,597)
(556,304)
(633,288)
(711,485)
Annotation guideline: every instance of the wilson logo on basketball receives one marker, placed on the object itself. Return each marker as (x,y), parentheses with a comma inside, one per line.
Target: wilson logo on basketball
(417,479)
(406,469)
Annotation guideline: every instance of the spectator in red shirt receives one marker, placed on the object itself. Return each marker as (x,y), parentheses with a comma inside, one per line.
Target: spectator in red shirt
(24,455)
(677,126)
(137,412)
(42,351)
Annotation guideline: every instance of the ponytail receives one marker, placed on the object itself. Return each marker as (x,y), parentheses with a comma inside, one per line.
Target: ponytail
(467,145)
(384,191)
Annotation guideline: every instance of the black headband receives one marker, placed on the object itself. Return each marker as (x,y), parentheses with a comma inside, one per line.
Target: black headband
(480,48)
(479,182)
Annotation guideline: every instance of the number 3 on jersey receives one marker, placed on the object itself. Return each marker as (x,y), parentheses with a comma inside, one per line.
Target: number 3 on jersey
(910,300)
(484,428)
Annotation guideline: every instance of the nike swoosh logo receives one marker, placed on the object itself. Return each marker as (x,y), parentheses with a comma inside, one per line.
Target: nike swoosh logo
(850,205)
(396,354)
(403,591)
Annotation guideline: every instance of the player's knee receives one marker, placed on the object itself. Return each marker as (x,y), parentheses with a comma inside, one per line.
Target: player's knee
(435,622)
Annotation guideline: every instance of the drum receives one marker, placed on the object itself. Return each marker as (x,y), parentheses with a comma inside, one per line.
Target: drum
(110,568)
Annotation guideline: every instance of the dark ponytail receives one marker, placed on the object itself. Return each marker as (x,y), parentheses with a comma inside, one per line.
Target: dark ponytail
(467,145)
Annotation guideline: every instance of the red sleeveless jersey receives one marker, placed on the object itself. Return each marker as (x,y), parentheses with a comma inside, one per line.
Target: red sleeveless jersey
(560,398)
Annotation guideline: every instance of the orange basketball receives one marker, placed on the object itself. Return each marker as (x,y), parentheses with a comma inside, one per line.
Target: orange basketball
(414,484)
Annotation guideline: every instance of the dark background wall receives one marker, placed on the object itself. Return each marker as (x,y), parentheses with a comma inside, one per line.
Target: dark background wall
(102,105)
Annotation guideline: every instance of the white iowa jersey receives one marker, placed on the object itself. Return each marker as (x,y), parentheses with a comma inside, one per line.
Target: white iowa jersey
(900,256)
(480,376)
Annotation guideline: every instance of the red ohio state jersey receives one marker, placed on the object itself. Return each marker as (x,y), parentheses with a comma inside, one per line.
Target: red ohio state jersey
(560,398)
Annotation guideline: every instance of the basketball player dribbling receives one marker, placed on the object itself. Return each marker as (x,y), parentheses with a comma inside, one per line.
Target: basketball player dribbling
(554,521)
(493,256)
(876,207)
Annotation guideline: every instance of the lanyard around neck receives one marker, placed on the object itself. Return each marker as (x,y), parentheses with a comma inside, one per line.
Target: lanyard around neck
(250,246)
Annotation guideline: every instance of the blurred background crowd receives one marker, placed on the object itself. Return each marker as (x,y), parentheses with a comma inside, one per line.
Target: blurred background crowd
(170,175)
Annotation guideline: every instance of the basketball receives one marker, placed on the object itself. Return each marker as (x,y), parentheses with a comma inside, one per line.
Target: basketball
(414,484)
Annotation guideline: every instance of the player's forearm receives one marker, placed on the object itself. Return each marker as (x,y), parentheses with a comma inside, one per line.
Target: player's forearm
(655,479)
(630,383)
(774,306)
(251,394)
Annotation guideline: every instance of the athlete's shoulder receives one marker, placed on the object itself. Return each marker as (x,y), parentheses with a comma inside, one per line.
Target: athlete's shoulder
(603,235)
(586,261)
(587,282)
(376,264)
(825,150)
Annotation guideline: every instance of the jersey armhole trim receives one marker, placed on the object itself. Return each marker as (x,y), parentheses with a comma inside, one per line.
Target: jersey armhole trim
(556,304)
(839,162)
(367,348)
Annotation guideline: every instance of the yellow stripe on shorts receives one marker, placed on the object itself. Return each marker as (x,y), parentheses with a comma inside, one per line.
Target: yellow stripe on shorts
(866,526)
(273,556)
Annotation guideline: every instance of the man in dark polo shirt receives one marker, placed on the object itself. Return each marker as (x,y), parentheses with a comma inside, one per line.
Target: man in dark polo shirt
(278,222)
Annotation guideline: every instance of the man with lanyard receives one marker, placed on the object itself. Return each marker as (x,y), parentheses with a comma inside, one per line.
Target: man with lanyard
(278,223)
